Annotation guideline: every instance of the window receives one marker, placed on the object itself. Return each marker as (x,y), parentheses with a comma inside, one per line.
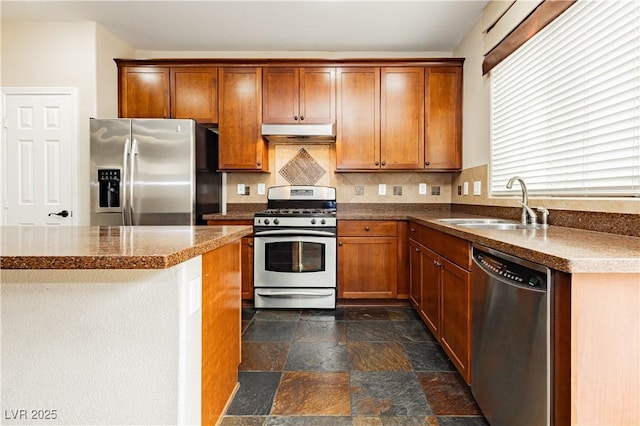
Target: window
(565,107)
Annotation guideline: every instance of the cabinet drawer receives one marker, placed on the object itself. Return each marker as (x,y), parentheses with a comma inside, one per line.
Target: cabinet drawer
(453,248)
(367,228)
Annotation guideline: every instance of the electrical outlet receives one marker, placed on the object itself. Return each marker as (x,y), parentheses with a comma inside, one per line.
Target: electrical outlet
(240,190)
(465,188)
(382,189)
(477,187)
(261,189)
(359,190)
(397,190)
(422,188)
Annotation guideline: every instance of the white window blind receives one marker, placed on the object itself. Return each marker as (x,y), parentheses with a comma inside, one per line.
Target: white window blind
(565,107)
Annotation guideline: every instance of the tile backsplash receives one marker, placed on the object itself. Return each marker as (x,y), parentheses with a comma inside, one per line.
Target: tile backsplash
(304,164)
(364,187)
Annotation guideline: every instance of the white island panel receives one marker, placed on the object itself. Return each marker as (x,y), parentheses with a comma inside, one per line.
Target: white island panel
(102,346)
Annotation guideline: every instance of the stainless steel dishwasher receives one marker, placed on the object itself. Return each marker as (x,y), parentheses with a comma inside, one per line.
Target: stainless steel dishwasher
(510,376)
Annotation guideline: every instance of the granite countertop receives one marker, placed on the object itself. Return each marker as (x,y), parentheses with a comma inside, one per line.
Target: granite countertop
(110,247)
(561,248)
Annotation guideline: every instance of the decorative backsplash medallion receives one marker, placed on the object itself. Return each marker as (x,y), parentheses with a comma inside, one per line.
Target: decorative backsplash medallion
(302,169)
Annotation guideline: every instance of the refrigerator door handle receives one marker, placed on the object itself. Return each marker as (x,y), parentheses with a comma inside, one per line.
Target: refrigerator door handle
(125,199)
(132,175)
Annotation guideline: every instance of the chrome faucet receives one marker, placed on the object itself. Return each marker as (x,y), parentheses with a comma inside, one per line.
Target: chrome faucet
(526,210)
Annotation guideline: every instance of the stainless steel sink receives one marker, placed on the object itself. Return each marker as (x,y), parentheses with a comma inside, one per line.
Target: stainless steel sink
(460,221)
(498,226)
(488,223)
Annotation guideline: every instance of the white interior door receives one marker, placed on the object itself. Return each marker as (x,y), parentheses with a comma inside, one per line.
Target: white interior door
(39,167)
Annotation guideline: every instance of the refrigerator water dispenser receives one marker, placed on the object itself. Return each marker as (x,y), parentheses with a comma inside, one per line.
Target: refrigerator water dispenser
(109,187)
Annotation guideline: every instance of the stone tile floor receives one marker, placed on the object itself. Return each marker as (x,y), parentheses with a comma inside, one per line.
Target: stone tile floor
(350,366)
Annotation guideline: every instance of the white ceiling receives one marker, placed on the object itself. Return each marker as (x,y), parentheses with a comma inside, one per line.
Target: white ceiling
(267,25)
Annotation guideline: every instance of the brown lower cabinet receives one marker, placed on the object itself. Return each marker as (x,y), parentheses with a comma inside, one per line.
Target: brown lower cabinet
(440,290)
(367,259)
(246,255)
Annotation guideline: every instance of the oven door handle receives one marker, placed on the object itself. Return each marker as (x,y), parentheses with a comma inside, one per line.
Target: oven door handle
(295,232)
(289,293)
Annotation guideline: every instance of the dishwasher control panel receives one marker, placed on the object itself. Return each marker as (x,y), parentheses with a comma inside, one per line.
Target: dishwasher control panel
(511,271)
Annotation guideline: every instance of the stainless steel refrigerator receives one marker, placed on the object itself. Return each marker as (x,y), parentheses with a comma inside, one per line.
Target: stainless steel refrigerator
(153,172)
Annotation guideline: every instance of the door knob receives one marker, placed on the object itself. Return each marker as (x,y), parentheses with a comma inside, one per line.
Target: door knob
(63,213)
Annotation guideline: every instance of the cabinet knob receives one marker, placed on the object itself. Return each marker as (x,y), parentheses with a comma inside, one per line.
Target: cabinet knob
(301,117)
(417,249)
(295,117)
(340,243)
(427,163)
(413,229)
(377,163)
(250,244)
(259,164)
(366,228)
(384,163)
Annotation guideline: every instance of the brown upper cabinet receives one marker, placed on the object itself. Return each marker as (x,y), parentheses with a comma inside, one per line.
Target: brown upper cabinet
(358,119)
(144,92)
(443,96)
(380,118)
(194,93)
(402,118)
(299,95)
(390,115)
(241,145)
(169,92)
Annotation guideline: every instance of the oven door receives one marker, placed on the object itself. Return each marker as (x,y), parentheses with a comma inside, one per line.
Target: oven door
(294,259)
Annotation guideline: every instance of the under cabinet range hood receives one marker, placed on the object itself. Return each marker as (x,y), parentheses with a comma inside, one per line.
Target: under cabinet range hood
(299,133)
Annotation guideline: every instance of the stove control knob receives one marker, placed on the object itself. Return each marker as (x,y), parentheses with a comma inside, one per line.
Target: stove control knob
(266,221)
(313,221)
(323,221)
(276,221)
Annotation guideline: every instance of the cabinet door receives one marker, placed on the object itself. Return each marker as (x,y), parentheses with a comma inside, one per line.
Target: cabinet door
(443,144)
(281,95)
(241,144)
(358,119)
(367,267)
(194,93)
(144,92)
(455,332)
(430,307)
(402,118)
(317,95)
(247,268)
(415,276)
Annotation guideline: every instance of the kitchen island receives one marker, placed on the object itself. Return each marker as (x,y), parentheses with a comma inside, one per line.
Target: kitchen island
(119,325)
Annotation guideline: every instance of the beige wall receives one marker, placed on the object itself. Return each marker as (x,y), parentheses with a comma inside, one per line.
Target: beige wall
(477,142)
(108,47)
(66,54)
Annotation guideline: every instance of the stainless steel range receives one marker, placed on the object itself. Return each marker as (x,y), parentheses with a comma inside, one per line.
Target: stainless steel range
(295,248)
